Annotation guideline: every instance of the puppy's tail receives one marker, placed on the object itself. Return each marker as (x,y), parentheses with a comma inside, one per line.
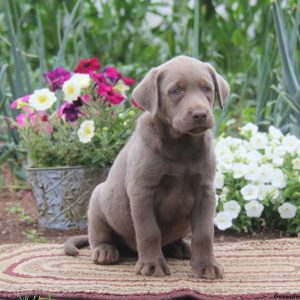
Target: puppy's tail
(72,244)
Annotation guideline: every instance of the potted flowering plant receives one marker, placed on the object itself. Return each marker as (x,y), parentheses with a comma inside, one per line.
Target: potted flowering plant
(258,181)
(71,132)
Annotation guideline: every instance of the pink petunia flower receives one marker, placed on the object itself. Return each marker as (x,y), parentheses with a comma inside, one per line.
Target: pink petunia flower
(85,98)
(33,118)
(17,104)
(60,111)
(21,120)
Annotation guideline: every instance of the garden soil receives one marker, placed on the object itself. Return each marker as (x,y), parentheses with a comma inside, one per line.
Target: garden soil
(14,229)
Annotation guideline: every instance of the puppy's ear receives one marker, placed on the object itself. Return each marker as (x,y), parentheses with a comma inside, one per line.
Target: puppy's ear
(146,94)
(222,88)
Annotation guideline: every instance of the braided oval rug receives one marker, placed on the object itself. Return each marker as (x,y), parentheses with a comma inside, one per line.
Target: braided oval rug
(254,269)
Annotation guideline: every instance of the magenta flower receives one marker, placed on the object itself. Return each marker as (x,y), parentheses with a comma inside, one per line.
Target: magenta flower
(104,89)
(115,98)
(113,74)
(108,93)
(98,77)
(127,80)
(56,78)
(87,65)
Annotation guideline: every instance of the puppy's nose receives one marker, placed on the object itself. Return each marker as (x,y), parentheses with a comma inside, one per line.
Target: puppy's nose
(199,114)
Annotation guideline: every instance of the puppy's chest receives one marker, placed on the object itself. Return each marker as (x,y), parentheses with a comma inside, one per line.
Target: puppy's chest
(175,197)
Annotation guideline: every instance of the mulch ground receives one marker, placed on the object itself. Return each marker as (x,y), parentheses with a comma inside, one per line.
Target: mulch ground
(13,228)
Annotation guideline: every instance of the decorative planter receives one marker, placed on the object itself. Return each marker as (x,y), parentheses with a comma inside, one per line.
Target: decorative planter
(62,194)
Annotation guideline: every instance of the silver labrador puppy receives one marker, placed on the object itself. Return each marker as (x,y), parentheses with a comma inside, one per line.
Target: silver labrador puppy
(161,185)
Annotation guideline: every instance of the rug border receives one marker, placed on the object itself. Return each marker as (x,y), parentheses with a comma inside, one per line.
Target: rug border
(148,296)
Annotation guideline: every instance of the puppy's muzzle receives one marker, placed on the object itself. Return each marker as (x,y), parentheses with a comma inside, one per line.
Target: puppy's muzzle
(199,115)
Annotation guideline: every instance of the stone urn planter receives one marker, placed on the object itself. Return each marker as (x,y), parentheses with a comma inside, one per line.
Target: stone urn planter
(62,194)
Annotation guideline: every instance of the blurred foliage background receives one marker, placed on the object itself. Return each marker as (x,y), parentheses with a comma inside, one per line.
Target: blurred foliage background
(254,44)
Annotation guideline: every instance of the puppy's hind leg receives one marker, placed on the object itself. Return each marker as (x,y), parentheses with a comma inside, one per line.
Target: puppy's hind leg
(179,249)
(101,238)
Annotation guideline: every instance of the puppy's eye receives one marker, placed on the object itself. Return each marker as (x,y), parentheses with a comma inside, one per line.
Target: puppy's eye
(175,91)
(206,89)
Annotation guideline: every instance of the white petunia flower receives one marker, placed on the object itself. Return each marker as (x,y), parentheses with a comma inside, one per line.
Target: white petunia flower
(225,164)
(249,128)
(83,80)
(277,161)
(86,131)
(290,143)
(241,152)
(231,142)
(42,99)
(269,152)
(121,88)
(223,220)
(252,172)
(217,200)
(275,133)
(265,173)
(254,209)
(279,151)
(224,193)
(249,192)
(253,157)
(274,193)
(71,90)
(219,180)
(263,191)
(287,210)
(278,179)
(239,170)
(278,156)
(259,141)
(222,150)
(296,163)
(233,207)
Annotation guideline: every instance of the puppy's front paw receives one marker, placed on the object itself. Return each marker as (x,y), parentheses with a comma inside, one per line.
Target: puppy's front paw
(208,270)
(152,267)
(105,254)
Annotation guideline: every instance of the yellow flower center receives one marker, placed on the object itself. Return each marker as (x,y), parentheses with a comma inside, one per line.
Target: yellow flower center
(87,130)
(70,89)
(42,99)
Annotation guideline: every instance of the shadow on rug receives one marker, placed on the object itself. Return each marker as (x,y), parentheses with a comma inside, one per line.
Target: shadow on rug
(254,269)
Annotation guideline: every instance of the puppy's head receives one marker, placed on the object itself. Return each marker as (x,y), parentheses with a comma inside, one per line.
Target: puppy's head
(182,93)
